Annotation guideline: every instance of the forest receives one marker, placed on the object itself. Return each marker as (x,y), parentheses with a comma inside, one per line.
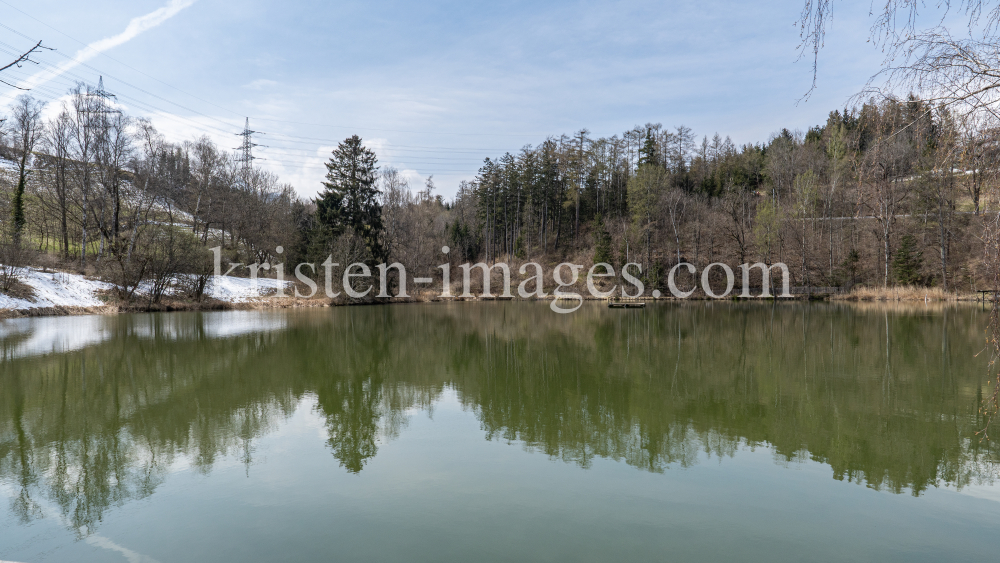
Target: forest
(891,192)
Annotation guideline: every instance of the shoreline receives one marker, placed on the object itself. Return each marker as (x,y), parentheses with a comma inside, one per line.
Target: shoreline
(173,305)
(50,293)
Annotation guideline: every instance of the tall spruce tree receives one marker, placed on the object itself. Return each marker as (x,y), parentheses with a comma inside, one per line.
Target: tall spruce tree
(648,154)
(350,197)
(602,241)
(908,261)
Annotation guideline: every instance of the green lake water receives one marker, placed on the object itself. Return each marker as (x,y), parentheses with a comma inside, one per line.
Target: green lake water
(499,432)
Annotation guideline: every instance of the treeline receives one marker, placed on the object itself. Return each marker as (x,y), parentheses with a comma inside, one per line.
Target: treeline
(888,193)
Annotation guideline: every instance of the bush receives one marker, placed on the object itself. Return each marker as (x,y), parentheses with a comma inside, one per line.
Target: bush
(14,257)
(161,258)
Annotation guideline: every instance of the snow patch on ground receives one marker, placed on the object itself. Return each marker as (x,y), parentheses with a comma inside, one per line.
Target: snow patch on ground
(8,165)
(59,289)
(56,289)
(36,336)
(238,290)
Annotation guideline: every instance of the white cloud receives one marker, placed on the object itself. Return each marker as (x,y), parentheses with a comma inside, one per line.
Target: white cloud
(413,178)
(131,556)
(177,129)
(260,83)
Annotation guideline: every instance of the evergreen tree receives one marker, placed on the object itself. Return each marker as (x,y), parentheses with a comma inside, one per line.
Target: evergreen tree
(18,219)
(644,192)
(463,241)
(602,242)
(907,262)
(350,195)
(850,265)
(648,154)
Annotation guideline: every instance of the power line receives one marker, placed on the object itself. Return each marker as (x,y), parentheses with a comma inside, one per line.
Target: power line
(245,156)
(24,57)
(296,161)
(352,128)
(102,54)
(449,149)
(304,139)
(143,105)
(334,126)
(299,139)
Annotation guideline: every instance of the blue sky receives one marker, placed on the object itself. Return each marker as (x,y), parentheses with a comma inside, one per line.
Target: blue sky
(435,87)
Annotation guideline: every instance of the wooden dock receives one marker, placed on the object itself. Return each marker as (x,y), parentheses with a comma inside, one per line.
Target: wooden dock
(625,303)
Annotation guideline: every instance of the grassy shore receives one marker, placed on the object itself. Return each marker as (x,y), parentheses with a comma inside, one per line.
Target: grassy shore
(903,293)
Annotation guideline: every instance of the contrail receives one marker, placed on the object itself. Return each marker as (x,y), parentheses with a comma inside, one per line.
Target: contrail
(134,28)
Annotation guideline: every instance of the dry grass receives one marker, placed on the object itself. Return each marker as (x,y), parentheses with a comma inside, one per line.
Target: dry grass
(20,290)
(902,293)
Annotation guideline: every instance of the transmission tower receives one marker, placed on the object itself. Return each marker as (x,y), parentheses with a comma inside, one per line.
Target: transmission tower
(101,107)
(101,92)
(244,152)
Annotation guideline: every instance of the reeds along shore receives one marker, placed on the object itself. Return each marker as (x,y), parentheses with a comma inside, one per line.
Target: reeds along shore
(903,293)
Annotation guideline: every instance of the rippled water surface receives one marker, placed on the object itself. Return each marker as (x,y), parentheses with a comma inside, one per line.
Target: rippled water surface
(498,432)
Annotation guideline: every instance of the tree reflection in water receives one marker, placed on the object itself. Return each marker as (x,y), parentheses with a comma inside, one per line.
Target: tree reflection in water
(885,397)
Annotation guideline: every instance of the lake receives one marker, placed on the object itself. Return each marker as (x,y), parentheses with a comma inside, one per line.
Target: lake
(499,432)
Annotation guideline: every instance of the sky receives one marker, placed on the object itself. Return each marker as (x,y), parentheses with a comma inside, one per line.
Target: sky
(434,87)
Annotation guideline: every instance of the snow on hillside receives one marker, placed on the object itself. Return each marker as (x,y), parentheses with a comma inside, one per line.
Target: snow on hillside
(58,289)
(237,290)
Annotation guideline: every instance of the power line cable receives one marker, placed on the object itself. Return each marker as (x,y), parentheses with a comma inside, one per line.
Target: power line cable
(160,110)
(239,113)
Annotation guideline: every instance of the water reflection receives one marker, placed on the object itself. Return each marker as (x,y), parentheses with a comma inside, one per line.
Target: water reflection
(885,397)
(26,337)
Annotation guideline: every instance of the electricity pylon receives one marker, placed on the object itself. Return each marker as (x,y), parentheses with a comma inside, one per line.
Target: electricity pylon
(102,108)
(244,152)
